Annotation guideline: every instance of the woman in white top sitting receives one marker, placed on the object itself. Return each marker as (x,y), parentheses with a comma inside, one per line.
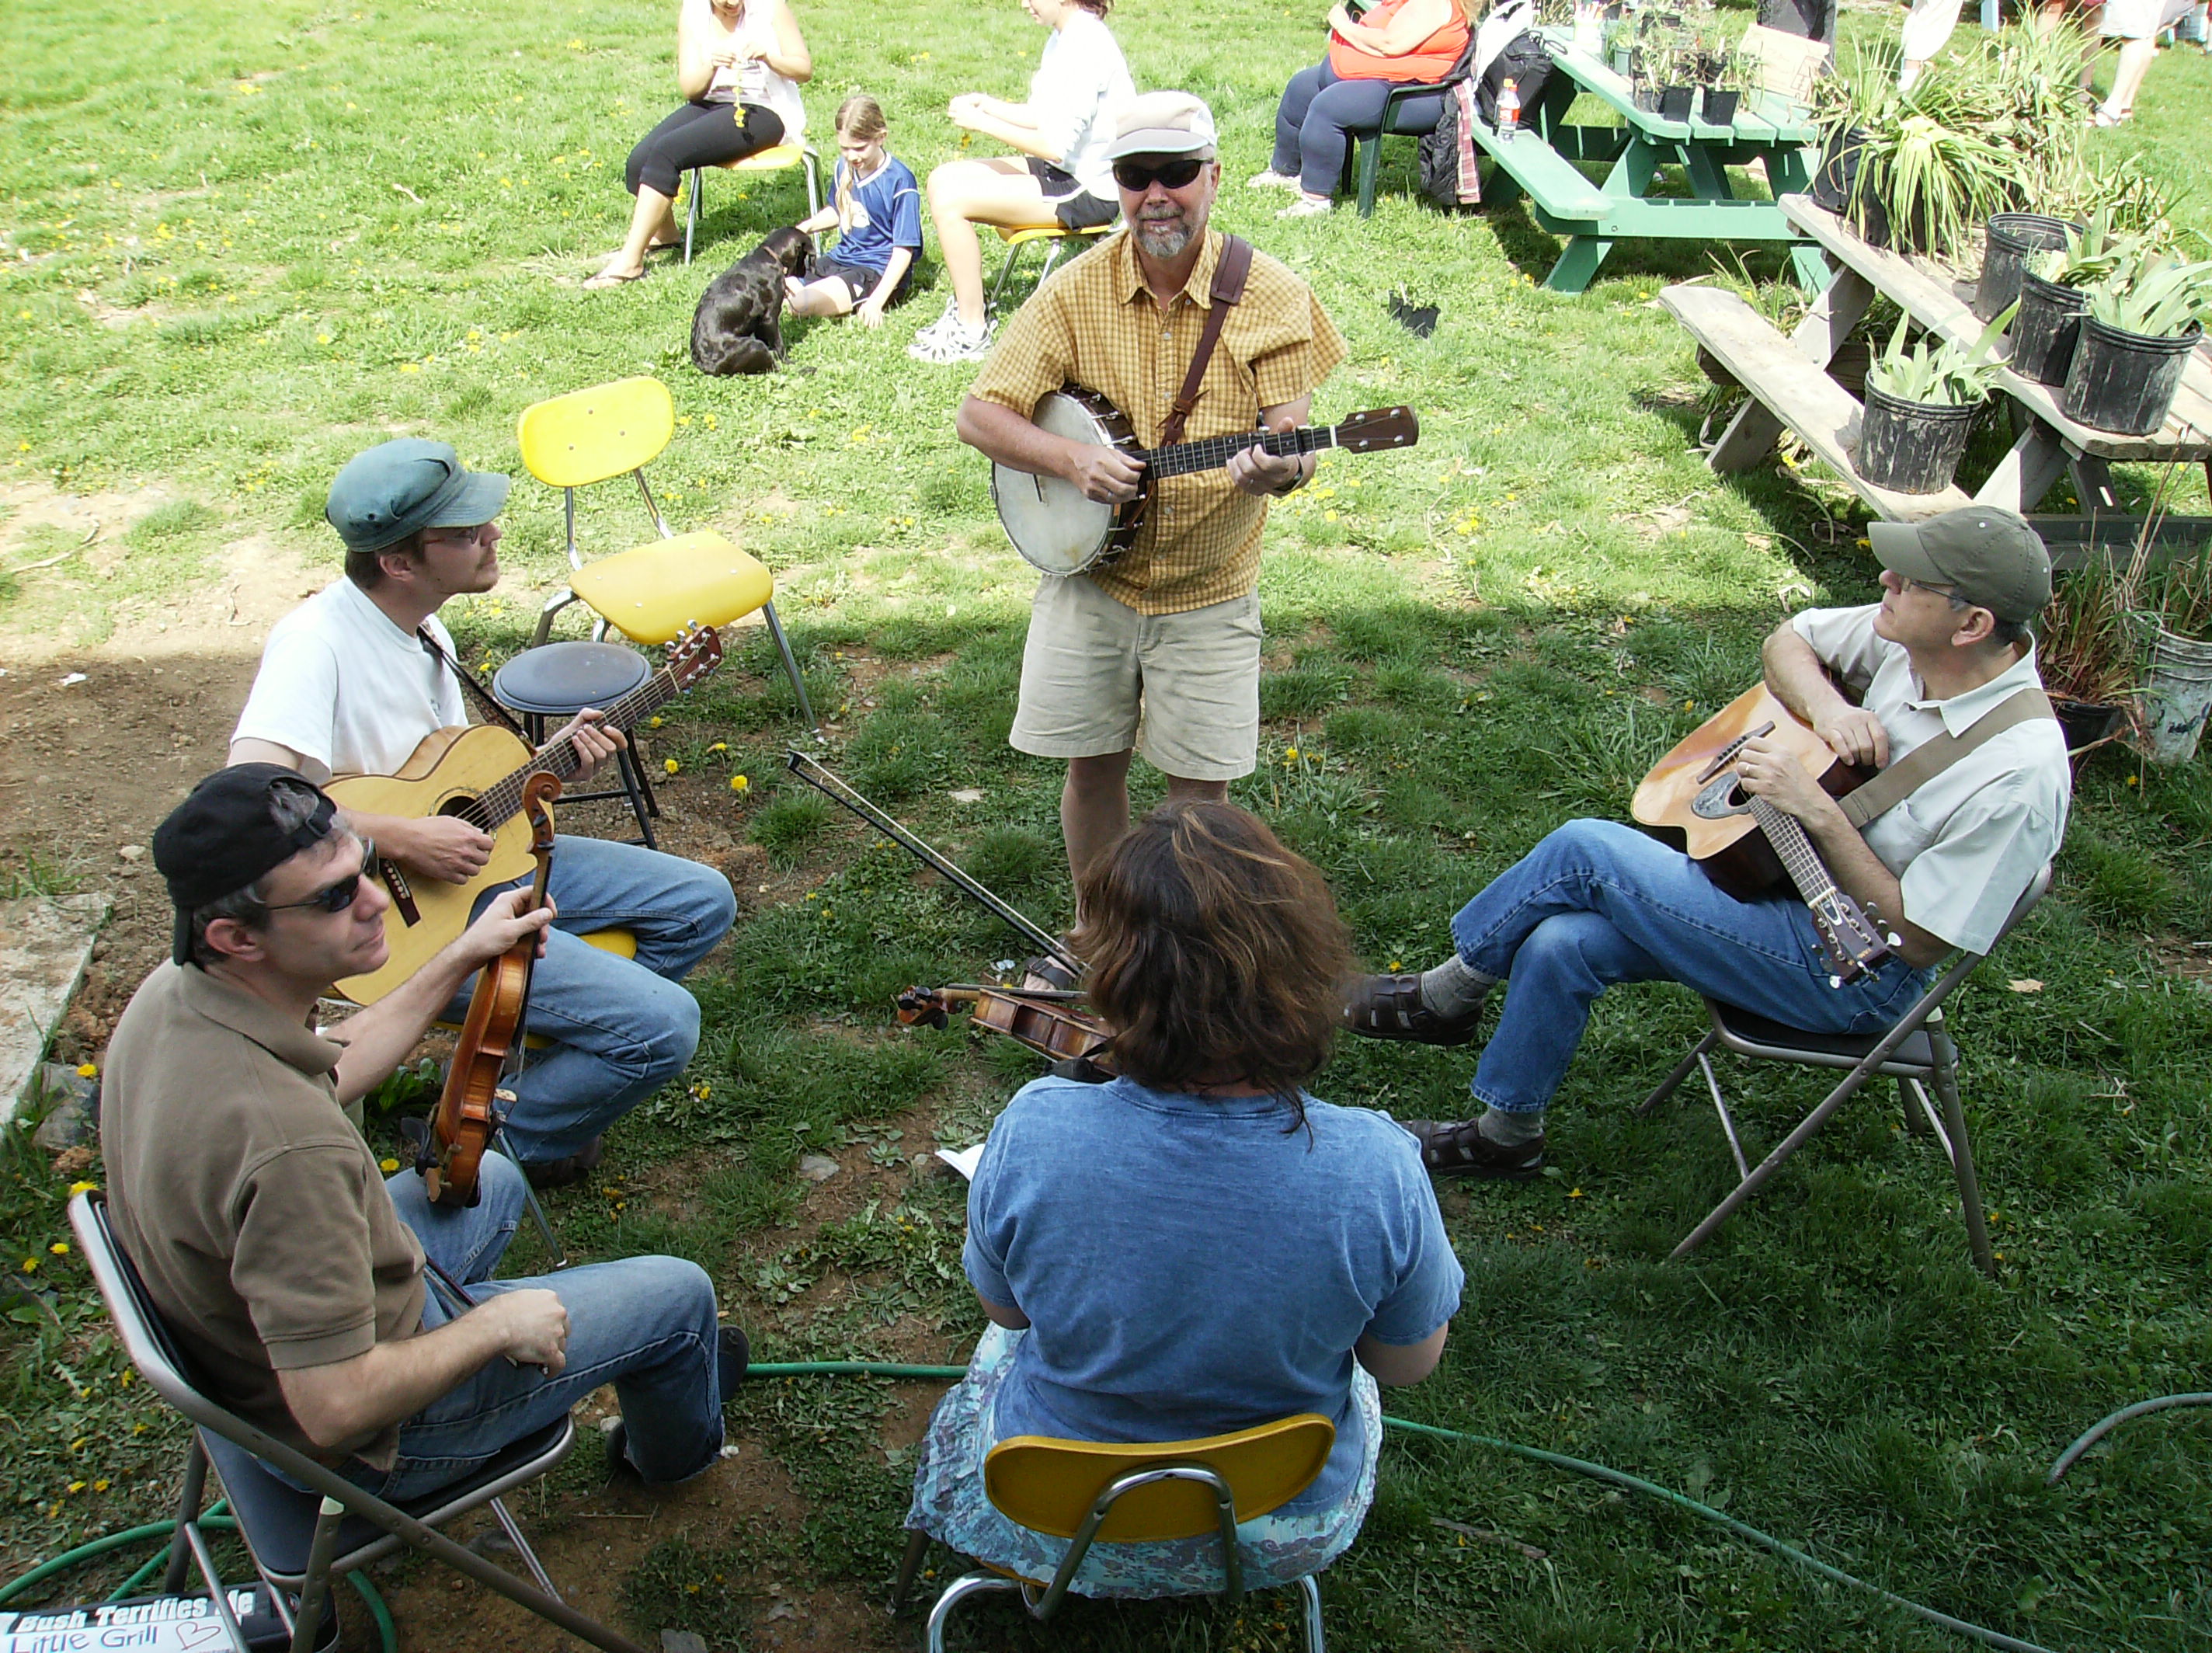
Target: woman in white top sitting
(1064,128)
(738,64)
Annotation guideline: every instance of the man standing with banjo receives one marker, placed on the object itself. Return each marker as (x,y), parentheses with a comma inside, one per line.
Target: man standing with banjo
(1170,626)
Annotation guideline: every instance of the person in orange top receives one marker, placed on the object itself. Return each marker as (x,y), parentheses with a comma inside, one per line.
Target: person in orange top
(1398,42)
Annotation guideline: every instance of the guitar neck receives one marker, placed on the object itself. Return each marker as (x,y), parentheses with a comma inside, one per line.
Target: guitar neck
(502,802)
(1799,858)
(1211,452)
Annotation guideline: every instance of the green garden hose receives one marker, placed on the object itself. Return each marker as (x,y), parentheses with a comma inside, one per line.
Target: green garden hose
(2112,1421)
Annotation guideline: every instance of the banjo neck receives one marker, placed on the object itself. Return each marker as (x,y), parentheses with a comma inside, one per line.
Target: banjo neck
(1211,452)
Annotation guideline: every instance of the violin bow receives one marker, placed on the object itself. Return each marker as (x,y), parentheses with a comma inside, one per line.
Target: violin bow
(837,791)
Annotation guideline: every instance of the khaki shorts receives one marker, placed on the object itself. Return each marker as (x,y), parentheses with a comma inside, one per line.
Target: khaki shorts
(1093,664)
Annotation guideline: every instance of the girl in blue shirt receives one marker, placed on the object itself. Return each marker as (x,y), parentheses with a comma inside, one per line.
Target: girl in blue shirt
(875,207)
(1198,1246)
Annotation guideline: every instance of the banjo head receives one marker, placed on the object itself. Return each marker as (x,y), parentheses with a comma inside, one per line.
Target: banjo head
(1054,527)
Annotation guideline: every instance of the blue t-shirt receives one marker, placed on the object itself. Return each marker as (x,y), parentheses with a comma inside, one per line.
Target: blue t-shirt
(1189,1267)
(887,208)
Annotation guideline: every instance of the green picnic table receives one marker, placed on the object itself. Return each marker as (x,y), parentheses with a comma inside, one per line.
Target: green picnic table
(1543,161)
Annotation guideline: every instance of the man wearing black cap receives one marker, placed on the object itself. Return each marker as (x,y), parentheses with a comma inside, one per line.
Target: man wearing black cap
(1946,652)
(294,1276)
(347,686)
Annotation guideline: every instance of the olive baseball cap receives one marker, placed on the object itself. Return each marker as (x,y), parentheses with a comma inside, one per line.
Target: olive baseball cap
(1989,556)
(400,488)
(1162,122)
(224,836)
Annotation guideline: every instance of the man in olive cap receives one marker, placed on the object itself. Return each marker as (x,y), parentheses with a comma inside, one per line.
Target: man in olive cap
(1946,652)
(350,682)
(346,1314)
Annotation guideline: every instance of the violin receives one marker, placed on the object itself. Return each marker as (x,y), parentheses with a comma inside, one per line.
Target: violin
(1042,1021)
(475,1103)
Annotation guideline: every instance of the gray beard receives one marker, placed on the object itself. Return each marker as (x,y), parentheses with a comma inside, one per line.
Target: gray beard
(1162,239)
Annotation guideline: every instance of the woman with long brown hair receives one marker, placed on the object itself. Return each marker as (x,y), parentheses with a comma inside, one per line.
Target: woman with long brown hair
(1198,1246)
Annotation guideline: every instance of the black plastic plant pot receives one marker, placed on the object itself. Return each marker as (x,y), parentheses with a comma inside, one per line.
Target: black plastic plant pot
(1721,107)
(1675,102)
(1911,447)
(2045,330)
(2013,238)
(1839,169)
(2084,722)
(2124,381)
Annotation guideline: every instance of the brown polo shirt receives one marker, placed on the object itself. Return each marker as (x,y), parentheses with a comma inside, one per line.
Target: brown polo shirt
(1096,325)
(248,1200)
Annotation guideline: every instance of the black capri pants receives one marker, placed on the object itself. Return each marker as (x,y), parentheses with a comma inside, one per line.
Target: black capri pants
(699,135)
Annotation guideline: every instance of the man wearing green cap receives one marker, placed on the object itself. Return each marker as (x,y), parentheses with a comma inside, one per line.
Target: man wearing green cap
(350,682)
(1946,652)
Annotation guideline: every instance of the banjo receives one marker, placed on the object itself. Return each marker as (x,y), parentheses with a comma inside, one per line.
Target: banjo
(1058,530)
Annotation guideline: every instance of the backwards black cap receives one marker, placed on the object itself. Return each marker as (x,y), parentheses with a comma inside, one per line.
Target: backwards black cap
(225,836)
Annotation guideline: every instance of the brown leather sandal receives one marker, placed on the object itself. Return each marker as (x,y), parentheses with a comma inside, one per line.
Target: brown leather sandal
(1390,1007)
(1458,1148)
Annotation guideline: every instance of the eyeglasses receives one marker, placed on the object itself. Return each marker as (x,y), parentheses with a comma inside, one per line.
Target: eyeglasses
(337,897)
(464,539)
(1174,174)
(1905,582)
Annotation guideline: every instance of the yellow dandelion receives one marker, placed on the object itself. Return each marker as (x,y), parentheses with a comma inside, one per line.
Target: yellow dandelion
(87,1070)
(671,765)
(410,367)
(387,1166)
(719,746)
(739,783)
(59,1248)
(75,1188)
(652,723)
(100,1486)
(30,1264)
(77,1486)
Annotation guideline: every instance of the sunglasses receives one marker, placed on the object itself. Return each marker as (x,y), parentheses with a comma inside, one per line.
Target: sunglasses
(1173,174)
(337,897)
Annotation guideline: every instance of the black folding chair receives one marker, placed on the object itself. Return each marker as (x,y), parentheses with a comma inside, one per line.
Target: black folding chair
(300,1541)
(1916,1052)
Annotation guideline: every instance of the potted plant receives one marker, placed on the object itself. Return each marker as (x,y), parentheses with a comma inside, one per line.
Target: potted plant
(1920,407)
(2053,299)
(2008,241)
(2177,671)
(2144,319)
(2085,648)
(1734,77)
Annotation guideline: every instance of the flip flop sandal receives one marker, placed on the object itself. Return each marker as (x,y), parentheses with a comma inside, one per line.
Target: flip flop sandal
(607,278)
(1391,1007)
(1458,1148)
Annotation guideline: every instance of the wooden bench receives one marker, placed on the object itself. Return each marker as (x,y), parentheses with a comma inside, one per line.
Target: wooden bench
(1795,390)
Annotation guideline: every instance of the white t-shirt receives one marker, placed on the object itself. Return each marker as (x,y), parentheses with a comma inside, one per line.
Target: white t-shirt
(1965,844)
(347,689)
(1077,95)
(756,82)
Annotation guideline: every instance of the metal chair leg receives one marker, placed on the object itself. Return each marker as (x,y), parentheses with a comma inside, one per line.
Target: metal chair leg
(554,602)
(691,210)
(1962,1167)
(1673,1081)
(1005,274)
(188,1509)
(917,1551)
(1316,1643)
(791,669)
(974,1583)
(315,1589)
(537,1213)
(522,1547)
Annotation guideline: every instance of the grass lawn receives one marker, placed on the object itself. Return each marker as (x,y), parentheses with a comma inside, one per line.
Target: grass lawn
(246,241)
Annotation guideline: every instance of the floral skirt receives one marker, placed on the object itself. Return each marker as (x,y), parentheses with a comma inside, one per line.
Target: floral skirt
(950,1506)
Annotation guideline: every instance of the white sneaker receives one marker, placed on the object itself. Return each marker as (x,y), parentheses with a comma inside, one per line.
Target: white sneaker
(938,328)
(1308,206)
(956,343)
(1270,180)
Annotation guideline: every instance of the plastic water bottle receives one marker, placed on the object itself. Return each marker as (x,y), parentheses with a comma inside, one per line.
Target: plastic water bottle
(1509,111)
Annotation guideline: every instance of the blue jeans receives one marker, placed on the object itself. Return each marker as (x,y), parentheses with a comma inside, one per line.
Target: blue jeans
(1319,108)
(621,1028)
(1598,903)
(645,1324)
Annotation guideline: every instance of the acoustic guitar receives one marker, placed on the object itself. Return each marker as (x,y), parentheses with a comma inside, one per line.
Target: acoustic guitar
(479,772)
(1746,845)
(1057,529)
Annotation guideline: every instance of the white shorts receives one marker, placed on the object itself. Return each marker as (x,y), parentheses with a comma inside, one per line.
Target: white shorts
(1098,678)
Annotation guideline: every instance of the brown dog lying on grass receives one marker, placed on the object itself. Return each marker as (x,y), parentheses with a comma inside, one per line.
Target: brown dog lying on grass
(735,328)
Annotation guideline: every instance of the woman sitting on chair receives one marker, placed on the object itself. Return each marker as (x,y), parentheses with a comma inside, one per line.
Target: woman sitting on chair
(1064,129)
(1401,42)
(739,64)
(1197,1247)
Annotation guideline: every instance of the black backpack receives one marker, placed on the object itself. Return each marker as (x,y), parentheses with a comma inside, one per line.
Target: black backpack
(1526,64)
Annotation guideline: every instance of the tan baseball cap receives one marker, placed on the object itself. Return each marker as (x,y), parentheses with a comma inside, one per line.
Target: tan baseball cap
(1988,555)
(1162,122)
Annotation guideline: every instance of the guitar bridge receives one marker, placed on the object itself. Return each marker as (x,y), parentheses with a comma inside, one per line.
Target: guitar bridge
(403,893)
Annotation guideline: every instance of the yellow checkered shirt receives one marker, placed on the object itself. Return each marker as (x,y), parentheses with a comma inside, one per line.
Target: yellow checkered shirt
(1096,325)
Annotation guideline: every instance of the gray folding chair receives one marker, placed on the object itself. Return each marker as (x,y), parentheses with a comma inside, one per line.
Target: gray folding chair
(1916,1052)
(300,1541)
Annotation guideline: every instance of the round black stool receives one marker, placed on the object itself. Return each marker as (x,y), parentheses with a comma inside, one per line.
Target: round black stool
(552,684)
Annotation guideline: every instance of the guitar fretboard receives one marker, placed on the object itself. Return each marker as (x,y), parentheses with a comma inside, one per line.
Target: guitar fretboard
(1210,452)
(1799,858)
(502,802)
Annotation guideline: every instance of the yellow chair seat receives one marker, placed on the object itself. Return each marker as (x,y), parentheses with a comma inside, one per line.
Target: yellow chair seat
(651,593)
(1023,234)
(621,943)
(1049,1486)
(775,158)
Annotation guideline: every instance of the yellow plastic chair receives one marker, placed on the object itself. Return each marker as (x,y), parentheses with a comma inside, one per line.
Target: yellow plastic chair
(1058,238)
(1148,1492)
(776,158)
(649,593)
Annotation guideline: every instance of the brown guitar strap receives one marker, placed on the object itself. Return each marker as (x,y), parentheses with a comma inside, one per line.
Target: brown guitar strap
(1931,758)
(486,701)
(1229,273)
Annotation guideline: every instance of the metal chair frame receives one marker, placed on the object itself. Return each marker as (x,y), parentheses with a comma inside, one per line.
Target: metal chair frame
(1044,1603)
(698,190)
(152,1351)
(635,790)
(1917,1051)
(1057,237)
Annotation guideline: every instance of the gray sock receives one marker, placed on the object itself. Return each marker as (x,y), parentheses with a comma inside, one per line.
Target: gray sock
(1453,989)
(1510,1130)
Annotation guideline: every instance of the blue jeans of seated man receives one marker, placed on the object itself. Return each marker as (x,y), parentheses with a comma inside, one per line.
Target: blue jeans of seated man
(621,1028)
(645,1324)
(1597,903)
(1320,108)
